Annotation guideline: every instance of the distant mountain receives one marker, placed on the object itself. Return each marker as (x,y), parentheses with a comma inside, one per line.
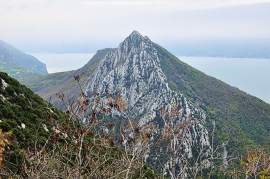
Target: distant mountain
(150,78)
(18,64)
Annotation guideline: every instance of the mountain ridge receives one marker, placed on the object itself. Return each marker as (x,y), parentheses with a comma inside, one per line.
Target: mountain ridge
(134,70)
(238,116)
(226,104)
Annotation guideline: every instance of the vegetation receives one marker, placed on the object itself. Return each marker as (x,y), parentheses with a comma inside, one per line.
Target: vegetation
(17,72)
(26,115)
(4,143)
(88,140)
(46,142)
(83,143)
(255,164)
(241,119)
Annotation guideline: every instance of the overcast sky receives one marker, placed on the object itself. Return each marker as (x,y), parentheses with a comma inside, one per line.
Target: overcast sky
(52,25)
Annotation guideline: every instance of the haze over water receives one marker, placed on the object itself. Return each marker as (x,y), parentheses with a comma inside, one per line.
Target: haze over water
(248,74)
(63,62)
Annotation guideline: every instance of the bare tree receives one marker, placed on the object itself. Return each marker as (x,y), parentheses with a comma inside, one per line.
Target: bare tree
(86,145)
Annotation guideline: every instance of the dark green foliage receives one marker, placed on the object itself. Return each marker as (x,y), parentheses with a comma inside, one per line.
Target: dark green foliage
(241,119)
(218,174)
(19,106)
(15,159)
(148,173)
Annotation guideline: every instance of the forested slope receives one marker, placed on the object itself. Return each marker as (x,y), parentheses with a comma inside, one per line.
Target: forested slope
(242,120)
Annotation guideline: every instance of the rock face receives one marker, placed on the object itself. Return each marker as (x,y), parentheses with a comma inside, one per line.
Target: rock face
(135,69)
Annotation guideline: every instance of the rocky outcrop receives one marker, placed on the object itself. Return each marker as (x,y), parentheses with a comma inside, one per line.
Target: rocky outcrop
(134,68)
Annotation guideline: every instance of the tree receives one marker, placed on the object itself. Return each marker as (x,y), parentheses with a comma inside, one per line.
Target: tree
(256,164)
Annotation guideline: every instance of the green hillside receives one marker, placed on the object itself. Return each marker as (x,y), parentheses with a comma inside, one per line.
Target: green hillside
(26,115)
(19,105)
(241,119)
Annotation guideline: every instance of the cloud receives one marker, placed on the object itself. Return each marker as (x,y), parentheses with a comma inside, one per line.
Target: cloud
(156,5)
(57,23)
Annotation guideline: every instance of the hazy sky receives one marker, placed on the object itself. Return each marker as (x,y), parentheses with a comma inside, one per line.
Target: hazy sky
(48,25)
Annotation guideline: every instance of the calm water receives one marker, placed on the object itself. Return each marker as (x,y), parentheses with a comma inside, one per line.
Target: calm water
(248,74)
(63,62)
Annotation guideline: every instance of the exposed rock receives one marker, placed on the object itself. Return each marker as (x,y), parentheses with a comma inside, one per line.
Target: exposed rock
(4,84)
(134,68)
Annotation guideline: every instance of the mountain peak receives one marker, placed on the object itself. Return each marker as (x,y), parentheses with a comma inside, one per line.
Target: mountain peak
(135,42)
(135,36)
(135,33)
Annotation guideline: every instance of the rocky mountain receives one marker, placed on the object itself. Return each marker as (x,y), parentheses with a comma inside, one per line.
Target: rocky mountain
(18,64)
(150,79)
(135,69)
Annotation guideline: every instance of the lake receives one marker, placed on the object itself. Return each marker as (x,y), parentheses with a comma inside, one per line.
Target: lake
(248,74)
(63,62)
